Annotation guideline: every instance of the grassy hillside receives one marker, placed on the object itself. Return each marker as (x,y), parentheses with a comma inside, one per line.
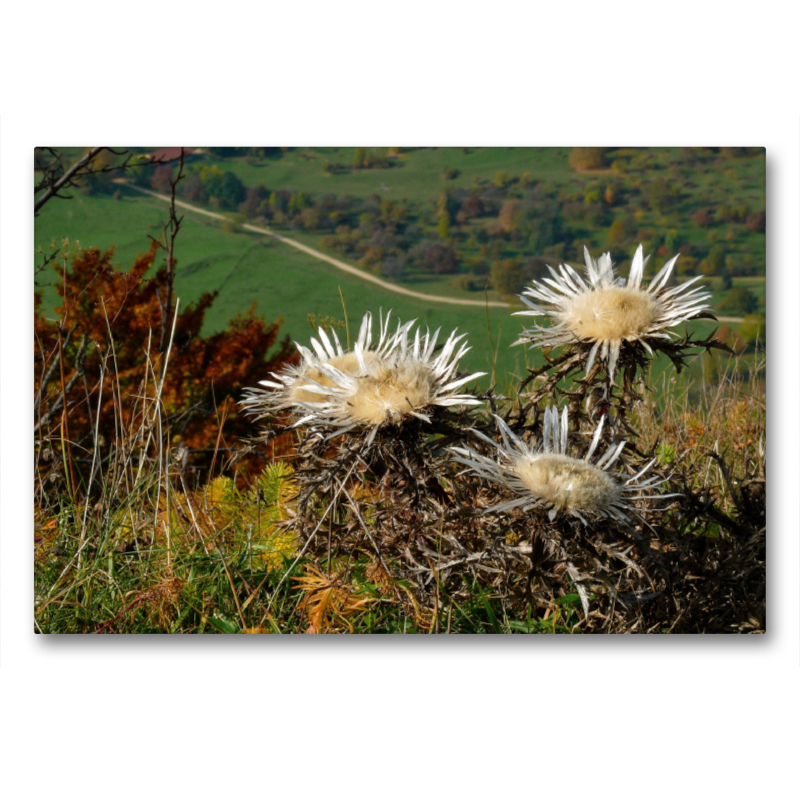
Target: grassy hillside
(244,267)
(417,176)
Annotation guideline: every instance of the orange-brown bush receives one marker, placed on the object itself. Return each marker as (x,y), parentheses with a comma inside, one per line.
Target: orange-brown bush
(102,357)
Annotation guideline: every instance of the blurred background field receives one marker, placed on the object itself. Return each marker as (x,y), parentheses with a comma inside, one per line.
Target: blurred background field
(471,223)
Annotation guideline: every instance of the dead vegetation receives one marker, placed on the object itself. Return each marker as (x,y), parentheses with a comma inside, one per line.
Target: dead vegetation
(694,565)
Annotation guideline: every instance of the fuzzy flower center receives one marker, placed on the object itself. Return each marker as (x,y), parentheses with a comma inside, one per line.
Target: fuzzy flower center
(567,483)
(610,315)
(347,363)
(390,391)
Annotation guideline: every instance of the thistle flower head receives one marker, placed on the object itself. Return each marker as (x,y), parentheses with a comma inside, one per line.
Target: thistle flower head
(367,387)
(290,388)
(547,477)
(608,311)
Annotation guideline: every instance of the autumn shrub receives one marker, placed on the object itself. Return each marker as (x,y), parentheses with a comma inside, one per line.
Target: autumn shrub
(106,350)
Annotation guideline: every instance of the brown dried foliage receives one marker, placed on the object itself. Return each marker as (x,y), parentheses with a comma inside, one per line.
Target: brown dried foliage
(328,602)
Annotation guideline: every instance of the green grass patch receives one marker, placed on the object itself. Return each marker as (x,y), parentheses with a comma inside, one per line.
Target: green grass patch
(283,281)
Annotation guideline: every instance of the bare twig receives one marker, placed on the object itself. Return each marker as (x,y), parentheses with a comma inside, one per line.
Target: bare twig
(55,180)
(170,229)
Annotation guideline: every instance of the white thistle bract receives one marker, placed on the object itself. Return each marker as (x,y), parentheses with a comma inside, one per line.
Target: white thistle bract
(548,477)
(289,390)
(367,387)
(607,311)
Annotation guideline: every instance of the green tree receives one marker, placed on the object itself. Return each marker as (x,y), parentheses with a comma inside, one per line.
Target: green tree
(256,195)
(277,202)
(714,263)
(617,233)
(507,276)
(546,227)
(592,194)
(501,179)
(659,195)
(310,219)
(587,158)
(225,186)
(739,300)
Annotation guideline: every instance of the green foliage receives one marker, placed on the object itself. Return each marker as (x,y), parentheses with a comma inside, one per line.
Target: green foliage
(582,159)
(714,263)
(754,329)
(233,223)
(370,159)
(739,300)
(507,276)
(444,225)
(593,193)
(225,186)
(617,233)
(660,195)
(501,179)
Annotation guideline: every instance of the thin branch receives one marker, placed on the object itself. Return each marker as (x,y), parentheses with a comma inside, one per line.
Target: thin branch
(173,226)
(66,179)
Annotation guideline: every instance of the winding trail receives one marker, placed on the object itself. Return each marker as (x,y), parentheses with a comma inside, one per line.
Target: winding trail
(391,287)
(323,257)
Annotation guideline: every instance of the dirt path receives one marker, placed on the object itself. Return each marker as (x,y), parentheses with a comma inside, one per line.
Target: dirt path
(333,261)
(341,264)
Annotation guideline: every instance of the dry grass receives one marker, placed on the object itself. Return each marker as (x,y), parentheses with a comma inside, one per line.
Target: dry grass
(717,429)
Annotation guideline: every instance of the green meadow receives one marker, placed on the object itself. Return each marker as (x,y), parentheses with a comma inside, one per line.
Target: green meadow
(417,176)
(247,267)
